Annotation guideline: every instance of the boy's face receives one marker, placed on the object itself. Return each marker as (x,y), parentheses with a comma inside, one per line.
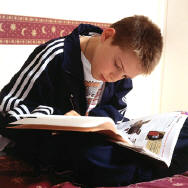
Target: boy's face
(110,63)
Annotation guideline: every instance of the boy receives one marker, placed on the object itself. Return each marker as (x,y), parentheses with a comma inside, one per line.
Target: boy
(88,64)
(85,73)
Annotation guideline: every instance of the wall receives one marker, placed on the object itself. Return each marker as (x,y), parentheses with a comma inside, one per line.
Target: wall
(174,93)
(145,97)
(99,11)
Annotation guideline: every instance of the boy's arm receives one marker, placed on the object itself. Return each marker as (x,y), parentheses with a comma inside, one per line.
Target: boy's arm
(30,88)
(113,102)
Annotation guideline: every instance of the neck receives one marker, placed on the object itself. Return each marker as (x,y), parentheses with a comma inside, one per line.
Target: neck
(88,45)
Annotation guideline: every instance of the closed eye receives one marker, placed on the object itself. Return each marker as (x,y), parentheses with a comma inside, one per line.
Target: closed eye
(121,69)
(118,66)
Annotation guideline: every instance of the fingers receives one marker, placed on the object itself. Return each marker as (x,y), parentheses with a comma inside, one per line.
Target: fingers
(72,113)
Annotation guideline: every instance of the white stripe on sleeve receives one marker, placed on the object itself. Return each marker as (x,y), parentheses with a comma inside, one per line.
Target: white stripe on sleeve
(21,76)
(51,110)
(12,113)
(35,77)
(25,108)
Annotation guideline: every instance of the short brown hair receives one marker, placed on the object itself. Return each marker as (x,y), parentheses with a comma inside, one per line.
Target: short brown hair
(142,36)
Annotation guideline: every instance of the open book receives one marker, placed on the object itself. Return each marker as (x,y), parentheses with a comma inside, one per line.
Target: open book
(155,136)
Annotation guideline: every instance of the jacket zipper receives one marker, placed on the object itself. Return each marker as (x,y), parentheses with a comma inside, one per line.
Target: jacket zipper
(71,101)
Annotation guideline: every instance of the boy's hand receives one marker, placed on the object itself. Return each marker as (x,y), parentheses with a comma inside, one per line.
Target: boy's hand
(72,113)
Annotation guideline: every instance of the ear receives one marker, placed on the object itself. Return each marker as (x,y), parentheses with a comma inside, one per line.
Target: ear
(107,33)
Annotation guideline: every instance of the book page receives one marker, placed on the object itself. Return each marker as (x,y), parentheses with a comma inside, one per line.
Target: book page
(53,121)
(156,135)
(102,125)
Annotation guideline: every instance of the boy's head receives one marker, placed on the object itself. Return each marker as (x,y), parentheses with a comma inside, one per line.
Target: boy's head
(128,48)
(139,34)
